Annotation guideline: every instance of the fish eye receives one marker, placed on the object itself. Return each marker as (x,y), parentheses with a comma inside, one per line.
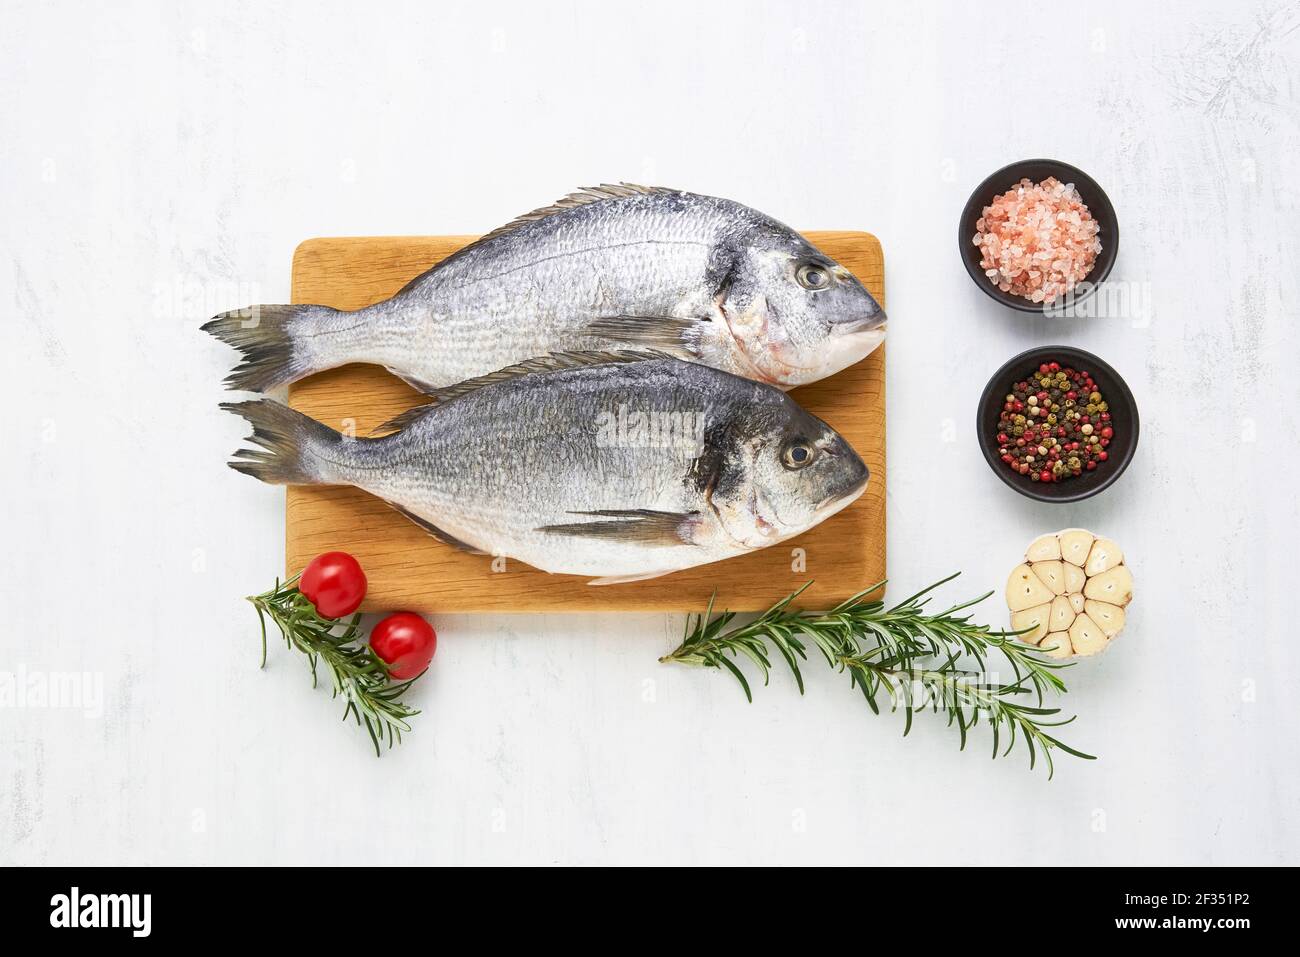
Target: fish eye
(813,277)
(797,454)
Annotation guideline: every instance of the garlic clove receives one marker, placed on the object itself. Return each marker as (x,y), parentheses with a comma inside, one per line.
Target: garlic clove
(1086,636)
(1114,587)
(1074,578)
(1045,549)
(1103,556)
(1057,645)
(1075,545)
(1077,600)
(1109,618)
(1062,614)
(1035,618)
(1051,574)
(1025,589)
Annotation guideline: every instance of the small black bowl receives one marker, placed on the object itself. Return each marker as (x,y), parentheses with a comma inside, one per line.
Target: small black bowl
(1038,170)
(1119,401)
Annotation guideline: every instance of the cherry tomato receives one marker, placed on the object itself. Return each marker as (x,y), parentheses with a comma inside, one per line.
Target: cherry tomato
(334,583)
(405,642)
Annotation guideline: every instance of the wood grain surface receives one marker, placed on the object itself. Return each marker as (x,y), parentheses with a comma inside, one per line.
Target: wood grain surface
(409,569)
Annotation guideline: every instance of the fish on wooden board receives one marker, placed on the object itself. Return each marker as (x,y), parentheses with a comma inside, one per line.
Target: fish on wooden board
(607,268)
(626,465)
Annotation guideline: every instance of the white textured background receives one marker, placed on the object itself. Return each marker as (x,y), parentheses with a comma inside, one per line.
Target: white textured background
(159,162)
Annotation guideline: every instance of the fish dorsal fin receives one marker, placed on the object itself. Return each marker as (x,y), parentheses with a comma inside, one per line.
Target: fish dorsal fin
(582,197)
(552,362)
(402,420)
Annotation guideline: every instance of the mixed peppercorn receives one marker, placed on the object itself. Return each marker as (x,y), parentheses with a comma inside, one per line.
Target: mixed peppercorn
(1055,425)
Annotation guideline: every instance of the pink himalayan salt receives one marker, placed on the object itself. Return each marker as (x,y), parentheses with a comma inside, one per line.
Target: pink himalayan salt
(1037,241)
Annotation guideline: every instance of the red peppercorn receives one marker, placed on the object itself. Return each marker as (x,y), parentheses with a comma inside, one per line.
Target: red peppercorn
(1091,466)
(1044,368)
(1045,476)
(1053,367)
(1103,455)
(1107,432)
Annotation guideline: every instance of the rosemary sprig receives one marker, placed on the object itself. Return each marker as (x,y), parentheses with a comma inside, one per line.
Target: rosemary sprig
(912,656)
(355,671)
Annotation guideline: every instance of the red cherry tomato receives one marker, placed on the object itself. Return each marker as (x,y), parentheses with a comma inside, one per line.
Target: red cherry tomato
(405,642)
(334,583)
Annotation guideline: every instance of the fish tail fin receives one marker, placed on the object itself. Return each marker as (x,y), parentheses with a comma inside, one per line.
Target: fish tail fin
(292,445)
(272,339)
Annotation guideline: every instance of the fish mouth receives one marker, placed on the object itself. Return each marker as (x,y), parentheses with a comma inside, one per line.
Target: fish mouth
(851,342)
(832,503)
(842,500)
(873,323)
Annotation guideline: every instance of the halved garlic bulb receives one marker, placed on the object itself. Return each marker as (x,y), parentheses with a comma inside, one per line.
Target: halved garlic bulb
(1070,591)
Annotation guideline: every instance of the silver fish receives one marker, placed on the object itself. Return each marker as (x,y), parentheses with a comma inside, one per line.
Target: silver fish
(623,465)
(611,267)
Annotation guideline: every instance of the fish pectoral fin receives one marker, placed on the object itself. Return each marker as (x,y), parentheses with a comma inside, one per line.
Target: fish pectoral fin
(623,579)
(660,332)
(640,526)
(435,531)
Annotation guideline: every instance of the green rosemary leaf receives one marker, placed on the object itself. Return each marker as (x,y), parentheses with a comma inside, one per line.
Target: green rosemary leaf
(740,676)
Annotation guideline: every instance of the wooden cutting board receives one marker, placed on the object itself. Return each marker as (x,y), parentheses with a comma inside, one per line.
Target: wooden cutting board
(408,569)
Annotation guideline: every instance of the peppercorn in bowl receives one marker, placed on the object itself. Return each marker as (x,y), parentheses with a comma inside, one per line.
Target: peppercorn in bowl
(1057,424)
